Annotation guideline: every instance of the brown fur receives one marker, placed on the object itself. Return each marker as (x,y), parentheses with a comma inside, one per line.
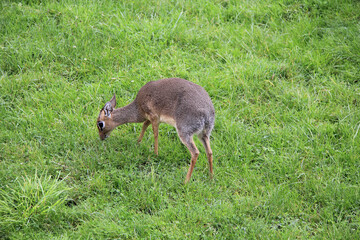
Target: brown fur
(175,101)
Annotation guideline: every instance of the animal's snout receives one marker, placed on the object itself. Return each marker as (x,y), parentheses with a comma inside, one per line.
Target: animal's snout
(103,136)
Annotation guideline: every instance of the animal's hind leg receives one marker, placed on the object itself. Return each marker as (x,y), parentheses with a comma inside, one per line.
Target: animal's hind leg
(188,141)
(206,142)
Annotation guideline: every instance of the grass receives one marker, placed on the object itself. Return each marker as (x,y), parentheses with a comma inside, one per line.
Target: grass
(283,76)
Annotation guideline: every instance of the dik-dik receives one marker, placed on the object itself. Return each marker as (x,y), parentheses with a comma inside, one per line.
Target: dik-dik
(174,101)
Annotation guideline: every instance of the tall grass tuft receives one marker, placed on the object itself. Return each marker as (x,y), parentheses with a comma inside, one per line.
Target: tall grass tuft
(31,199)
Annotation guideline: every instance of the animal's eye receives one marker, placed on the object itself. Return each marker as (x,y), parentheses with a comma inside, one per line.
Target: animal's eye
(101,125)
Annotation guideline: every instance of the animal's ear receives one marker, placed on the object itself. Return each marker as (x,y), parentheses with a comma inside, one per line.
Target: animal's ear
(108,109)
(109,106)
(113,101)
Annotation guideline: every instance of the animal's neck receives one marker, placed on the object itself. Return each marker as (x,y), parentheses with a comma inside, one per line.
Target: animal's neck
(127,114)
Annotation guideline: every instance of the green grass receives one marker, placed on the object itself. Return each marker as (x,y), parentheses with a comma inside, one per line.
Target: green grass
(284,79)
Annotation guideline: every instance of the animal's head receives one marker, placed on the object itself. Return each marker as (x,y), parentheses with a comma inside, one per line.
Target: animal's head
(105,123)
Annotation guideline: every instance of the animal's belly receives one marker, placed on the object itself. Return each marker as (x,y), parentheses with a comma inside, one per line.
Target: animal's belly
(169,120)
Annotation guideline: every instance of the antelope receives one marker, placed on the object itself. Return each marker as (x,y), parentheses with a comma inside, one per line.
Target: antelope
(178,102)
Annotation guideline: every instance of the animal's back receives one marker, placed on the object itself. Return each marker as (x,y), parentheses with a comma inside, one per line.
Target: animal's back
(176,98)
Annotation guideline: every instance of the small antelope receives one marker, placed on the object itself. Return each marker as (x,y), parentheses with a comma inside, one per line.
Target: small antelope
(174,101)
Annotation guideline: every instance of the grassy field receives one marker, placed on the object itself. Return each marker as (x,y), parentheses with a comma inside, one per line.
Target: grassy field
(284,79)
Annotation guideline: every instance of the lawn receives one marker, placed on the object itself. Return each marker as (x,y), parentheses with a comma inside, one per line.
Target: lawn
(283,75)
